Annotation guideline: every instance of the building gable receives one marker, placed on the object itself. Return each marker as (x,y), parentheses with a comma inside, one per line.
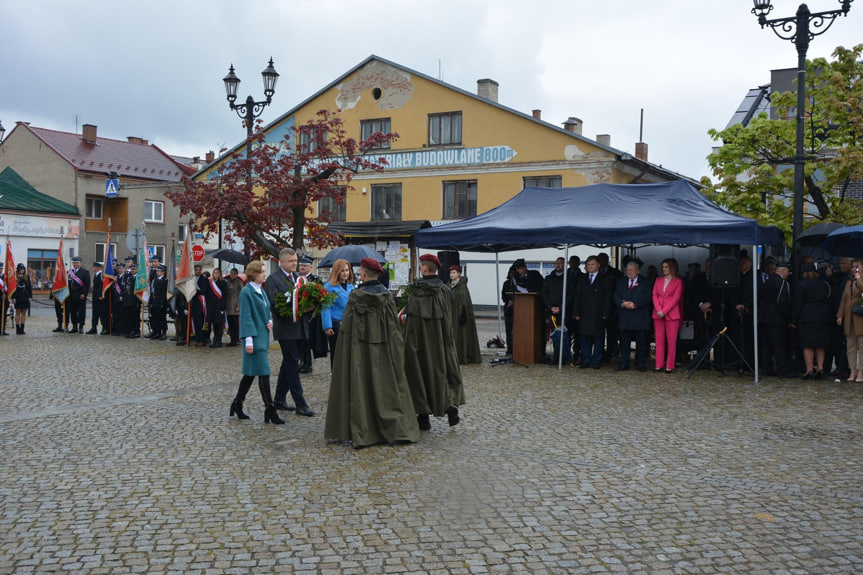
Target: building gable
(16,194)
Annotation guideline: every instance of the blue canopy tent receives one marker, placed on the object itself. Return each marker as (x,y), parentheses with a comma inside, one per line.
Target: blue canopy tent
(602,214)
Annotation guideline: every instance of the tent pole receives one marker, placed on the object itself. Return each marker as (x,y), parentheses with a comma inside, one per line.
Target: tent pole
(497,291)
(563,309)
(755,310)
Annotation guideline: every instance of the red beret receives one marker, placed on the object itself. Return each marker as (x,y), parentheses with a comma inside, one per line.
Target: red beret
(430,258)
(371,264)
(456,268)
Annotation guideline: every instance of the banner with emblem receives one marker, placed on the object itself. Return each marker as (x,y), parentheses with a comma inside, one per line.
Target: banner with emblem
(60,287)
(9,270)
(185,281)
(142,283)
(108,275)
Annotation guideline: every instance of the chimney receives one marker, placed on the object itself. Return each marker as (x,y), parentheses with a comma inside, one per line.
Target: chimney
(88,132)
(573,125)
(641,151)
(537,114)
(137,140)
(604,140)
(211,155)
(487,88)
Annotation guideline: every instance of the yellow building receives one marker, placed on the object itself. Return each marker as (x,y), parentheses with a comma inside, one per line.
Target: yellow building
(458,153)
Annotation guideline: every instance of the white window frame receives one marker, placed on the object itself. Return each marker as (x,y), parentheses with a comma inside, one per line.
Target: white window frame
(147,218)
(101,246)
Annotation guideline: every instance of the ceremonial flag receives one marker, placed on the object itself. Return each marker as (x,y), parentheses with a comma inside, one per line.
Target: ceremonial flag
(108,273)
(142,286)
(185,279)
(60,287)
(9,270)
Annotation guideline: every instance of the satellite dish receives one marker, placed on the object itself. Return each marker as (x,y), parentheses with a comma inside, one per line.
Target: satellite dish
(135,240)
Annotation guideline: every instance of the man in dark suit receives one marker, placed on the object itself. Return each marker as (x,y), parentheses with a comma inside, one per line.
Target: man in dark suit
(612,275)
(79,287)
(159,304)
(529,281)
(590,309)
(288,333)
(774,317)
(632,298)
(100,302)
(552,299)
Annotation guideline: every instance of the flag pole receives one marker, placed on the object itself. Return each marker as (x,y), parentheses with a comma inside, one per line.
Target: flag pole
(111,292)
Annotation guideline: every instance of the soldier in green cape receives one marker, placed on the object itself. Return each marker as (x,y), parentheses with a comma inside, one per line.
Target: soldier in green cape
(370,401)
(463,319)
(431,361)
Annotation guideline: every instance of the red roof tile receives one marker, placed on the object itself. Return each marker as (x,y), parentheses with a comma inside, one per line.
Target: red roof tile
(127,159)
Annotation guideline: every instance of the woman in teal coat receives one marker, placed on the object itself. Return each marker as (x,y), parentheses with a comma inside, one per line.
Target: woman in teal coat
(255,327)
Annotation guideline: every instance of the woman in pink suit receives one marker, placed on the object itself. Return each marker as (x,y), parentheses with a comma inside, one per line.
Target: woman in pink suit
(667,302)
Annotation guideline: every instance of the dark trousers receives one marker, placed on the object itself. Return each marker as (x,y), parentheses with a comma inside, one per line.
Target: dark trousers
(776,353)
(333,339)
(131,319)
(627,336)
(158,320)
(574,337)
(612,334)
(234,328)
(591,349)
(508,322)
(100,314)
(198,322)
(289,374)
(305,351)
(58,311)
(76,309)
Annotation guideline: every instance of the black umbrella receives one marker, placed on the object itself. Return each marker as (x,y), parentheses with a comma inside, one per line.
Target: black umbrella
(229,255)
(816,234)
(845,242)
(351,253)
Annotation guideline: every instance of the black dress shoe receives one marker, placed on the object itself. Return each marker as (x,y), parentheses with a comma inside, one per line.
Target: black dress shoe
(91,331)
(622,368)
(305,411)
(162,337)
(642,368)
(424,421)
(73,330)
(305,370)
(58,330)
(596,367)
(284,406)
(452,415)
(105,332)
(134,335)
(232,344)
(181,342)
(215,344)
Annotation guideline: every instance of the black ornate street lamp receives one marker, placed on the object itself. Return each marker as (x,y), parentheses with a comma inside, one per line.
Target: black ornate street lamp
(800,29)
(249,110)
(2,131)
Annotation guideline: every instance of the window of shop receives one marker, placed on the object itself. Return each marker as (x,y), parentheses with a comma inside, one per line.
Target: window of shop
(338,211)
(445,129)
(369,127)
(459,199)
(542,182)
(41,265)
(386,201)
(154,212)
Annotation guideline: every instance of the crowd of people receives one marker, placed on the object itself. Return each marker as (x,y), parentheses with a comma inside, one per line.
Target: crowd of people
(811,329)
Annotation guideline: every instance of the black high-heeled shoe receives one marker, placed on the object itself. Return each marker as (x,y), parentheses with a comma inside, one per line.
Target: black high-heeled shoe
(271,415)
(818,374)
(809,375)
(237,409)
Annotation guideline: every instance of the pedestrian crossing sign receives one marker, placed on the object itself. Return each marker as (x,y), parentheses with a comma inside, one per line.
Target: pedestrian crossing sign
(112,187)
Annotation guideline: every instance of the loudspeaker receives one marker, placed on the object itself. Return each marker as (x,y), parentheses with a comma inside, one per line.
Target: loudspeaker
(724,266)
(447,259)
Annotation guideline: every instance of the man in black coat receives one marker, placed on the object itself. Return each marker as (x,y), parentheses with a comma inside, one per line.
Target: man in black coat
(591,308)
(159,304)
(131,304)
(632,298)
(288,333)
(552,299)
(196,307)
(100,302)
(529,281)
(774,317)
(79,287)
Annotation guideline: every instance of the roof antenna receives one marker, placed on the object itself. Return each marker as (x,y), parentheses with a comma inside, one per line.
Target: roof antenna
(76,123)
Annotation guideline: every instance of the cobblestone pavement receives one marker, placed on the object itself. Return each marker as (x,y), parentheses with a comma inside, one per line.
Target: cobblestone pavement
(119,457)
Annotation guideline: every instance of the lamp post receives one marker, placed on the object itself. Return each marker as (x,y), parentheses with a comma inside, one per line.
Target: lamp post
(799,29)
(2,131)
(249,110)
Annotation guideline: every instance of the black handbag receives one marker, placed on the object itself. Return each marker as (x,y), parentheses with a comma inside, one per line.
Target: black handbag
(857,309)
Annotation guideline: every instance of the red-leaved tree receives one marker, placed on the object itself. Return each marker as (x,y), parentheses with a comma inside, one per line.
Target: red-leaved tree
(265,199)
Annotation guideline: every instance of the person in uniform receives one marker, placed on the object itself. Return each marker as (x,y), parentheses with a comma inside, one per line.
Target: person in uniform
(216,306)
(131,304)
(116,292)
(22,296)
(4,302)
(370,400)
(431,361)
(463,319)
(255,327)
(233,287)
(79,287)
(315,341)
(196,307)
(99,301)
(159,304)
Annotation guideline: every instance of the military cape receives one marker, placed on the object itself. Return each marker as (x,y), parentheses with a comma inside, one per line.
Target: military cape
(464,324)
(431,361)
(370,401)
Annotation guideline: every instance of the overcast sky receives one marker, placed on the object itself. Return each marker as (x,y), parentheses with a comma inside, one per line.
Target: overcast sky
(154,69)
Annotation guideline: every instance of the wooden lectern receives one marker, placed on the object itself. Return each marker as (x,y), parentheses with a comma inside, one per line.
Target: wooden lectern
(527,334)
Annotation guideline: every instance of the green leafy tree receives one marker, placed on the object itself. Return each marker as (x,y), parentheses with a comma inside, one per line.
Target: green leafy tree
(753,169)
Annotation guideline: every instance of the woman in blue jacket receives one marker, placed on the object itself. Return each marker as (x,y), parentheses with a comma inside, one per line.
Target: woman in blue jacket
(341,283)
(255,327)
